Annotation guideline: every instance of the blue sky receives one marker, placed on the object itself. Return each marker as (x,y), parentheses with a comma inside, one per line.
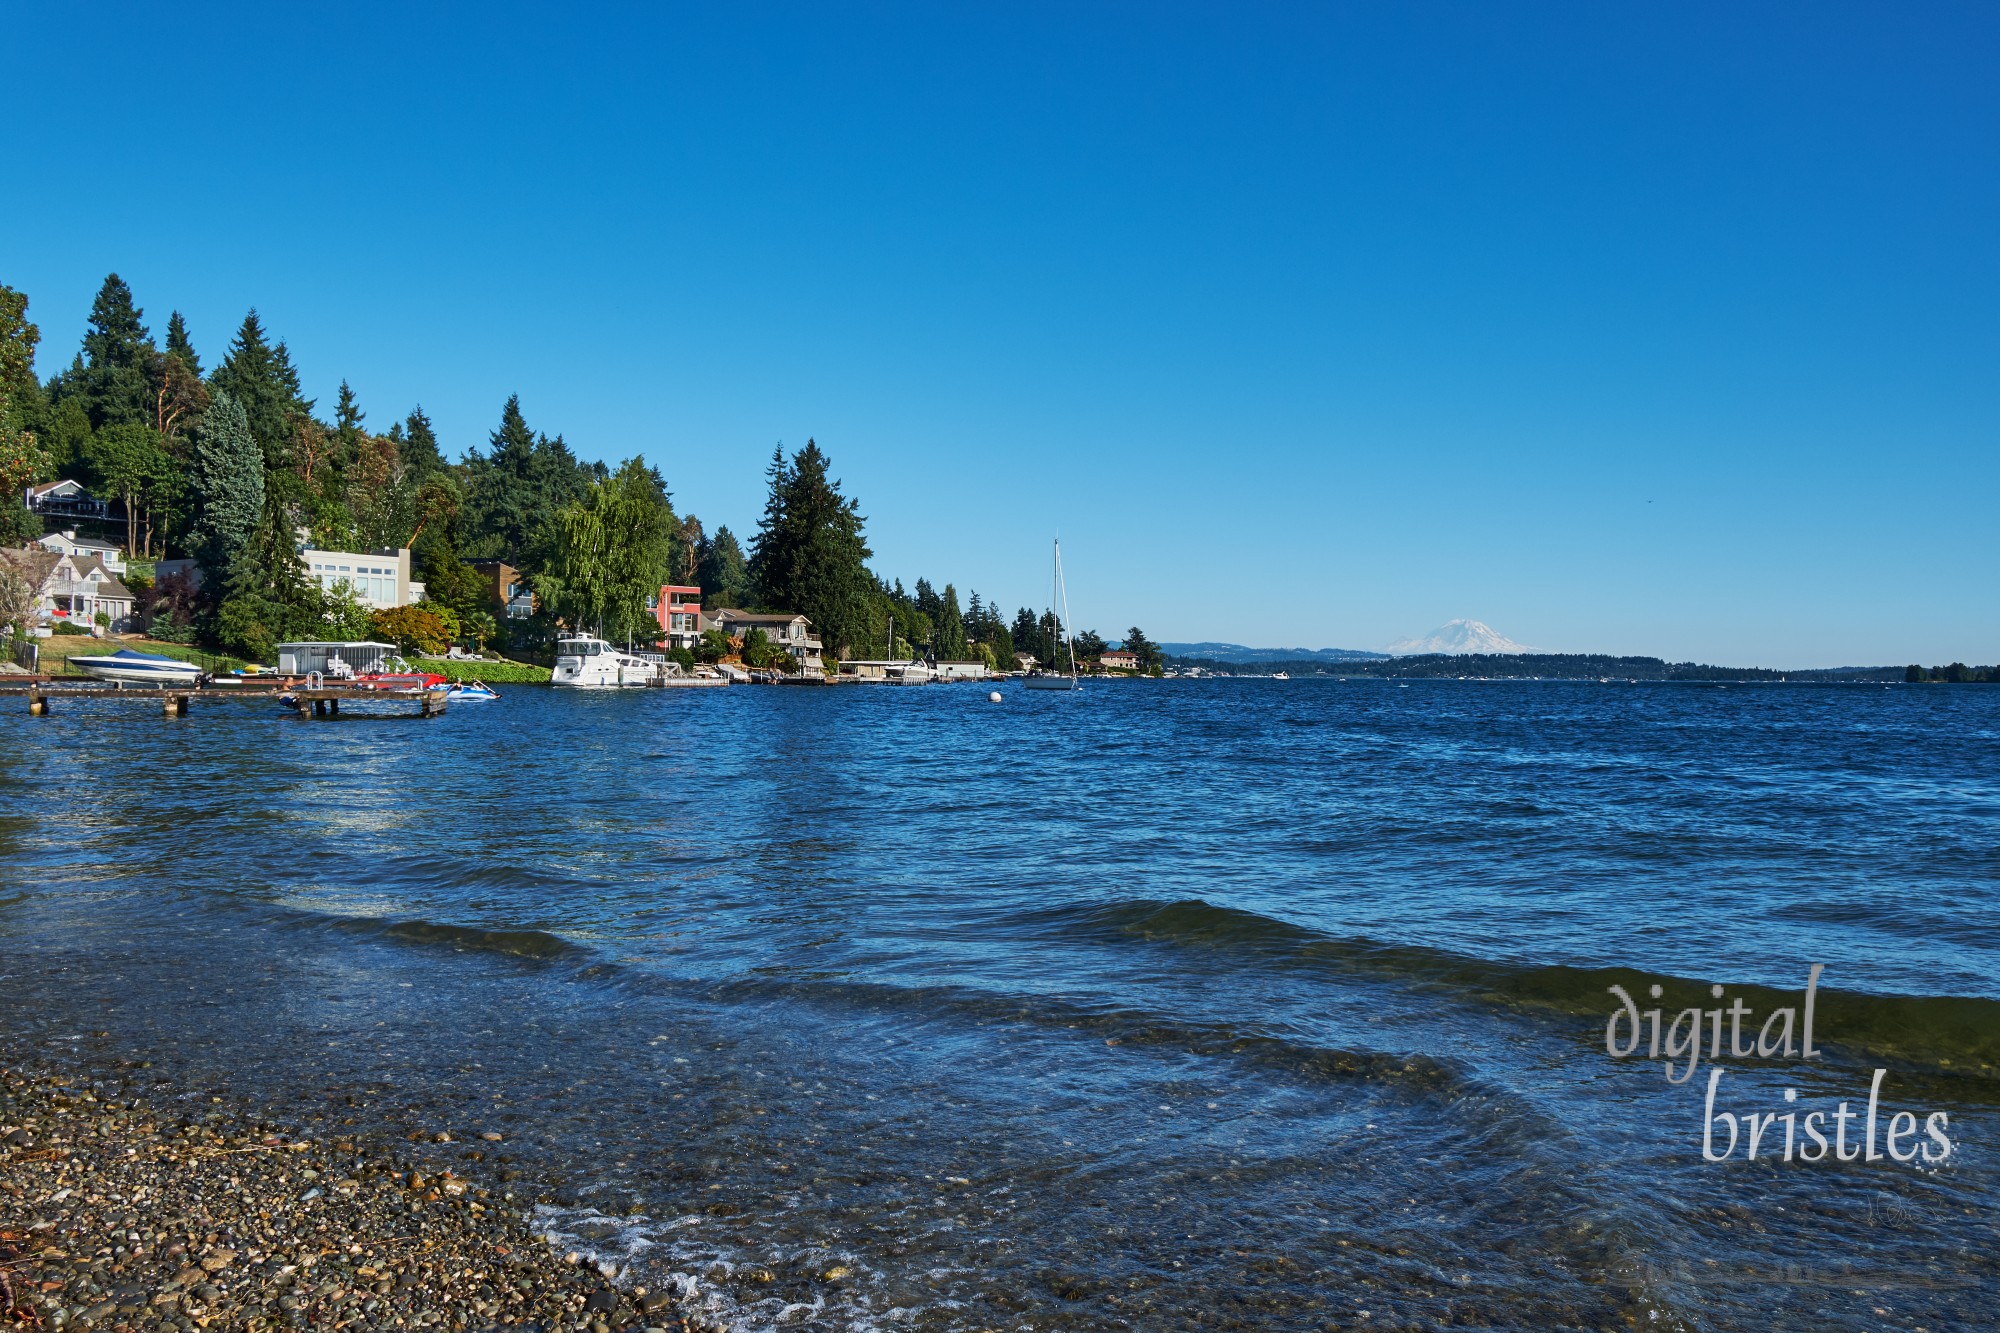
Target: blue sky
(1665,331)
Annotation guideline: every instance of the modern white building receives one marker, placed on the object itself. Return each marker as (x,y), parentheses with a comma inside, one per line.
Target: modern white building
(380,579)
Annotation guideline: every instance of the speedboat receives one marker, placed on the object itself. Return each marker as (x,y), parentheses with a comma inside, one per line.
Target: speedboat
(470,692)
(590,663)
(136,668)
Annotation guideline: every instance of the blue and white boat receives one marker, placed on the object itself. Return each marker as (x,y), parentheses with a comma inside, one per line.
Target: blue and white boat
(470,692)
(136,668)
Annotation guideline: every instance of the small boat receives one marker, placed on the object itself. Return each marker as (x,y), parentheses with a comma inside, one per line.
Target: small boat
(1281,675)
(135,668)
(470,692)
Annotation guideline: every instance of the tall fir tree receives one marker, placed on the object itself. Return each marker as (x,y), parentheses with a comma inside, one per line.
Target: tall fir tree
(179,344)
(811,554)
(261,378)
(226,485)
(501,508)
(950,626)
(114,380)
(722,573)
(419,445)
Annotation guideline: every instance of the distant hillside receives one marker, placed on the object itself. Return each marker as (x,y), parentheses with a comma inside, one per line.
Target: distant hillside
(1519,666)
(1236,652)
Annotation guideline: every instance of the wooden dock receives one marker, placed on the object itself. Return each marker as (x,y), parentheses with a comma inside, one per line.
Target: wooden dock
(304,700)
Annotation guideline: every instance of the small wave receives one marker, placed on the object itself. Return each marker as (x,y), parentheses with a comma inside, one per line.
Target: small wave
(1944,1034)
(522,942)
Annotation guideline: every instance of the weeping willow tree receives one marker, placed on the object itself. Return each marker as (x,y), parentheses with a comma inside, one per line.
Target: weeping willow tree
(616,549)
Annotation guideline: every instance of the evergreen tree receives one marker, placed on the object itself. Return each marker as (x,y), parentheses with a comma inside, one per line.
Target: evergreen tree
(1151,659)
(226,484)
(722,574)
(764,545)
(811,556)
(115,379)
(419,444)
(347,432)
(1027,633)
(502,508)
(261,379)
(950,627)
(179,344)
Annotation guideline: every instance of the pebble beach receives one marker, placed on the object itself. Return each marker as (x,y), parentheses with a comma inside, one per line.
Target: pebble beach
(121,1210)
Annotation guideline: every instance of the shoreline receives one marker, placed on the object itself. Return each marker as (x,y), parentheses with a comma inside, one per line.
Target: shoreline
(126,1207)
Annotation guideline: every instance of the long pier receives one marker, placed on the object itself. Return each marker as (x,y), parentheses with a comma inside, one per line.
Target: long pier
(305,701)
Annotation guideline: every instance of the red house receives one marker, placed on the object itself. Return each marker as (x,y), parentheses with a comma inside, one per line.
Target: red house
(679,614)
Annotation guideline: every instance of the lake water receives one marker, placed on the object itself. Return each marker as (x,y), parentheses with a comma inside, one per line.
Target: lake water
(1178,1005)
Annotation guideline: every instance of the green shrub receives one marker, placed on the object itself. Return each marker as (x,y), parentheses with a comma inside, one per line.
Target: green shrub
(65,628)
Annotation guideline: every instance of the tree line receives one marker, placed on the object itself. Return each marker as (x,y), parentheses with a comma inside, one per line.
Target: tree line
(233,465)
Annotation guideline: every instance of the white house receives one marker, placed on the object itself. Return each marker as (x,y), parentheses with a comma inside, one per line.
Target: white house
(71,588)
(380,579)
(68,543)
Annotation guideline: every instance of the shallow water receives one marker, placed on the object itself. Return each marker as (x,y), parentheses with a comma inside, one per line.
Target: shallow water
(1231,1004)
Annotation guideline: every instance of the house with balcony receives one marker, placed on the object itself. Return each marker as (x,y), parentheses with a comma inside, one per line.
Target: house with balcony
(73,589)
(1118,659)
(793,633)
(66,500)
(678,609)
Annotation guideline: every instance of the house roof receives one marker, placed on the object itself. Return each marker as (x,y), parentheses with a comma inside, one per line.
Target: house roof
(86,543)
(49,487)
(761,617)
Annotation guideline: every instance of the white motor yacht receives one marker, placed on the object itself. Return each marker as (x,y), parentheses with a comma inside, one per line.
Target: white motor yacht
(590,663)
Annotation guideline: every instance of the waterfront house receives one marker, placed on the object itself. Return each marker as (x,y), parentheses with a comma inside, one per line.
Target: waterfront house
(379,579)
(1119,659)
(64,499)
(508,588)
(678,609)
(68,543)
(785,630)
(73,589)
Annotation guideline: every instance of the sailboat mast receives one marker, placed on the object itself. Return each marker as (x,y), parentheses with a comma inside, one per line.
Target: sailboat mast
(1069,636)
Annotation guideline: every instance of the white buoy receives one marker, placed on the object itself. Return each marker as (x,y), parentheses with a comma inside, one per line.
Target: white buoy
(993,698)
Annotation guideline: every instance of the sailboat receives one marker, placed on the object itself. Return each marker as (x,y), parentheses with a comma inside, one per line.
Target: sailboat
(1051,679)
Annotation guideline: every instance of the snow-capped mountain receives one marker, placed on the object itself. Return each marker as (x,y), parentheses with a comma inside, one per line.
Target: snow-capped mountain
(1458,636)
